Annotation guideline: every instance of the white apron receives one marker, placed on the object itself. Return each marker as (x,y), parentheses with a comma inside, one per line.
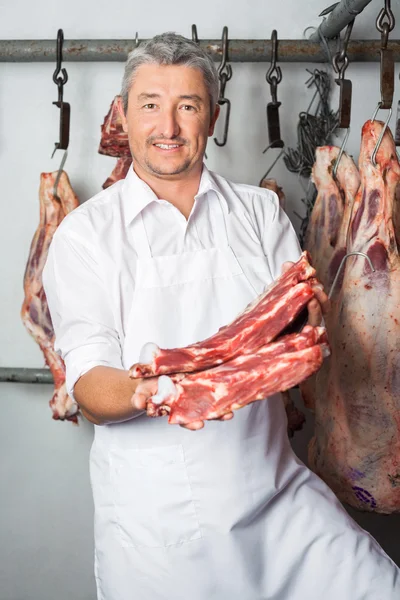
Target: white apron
(227,512)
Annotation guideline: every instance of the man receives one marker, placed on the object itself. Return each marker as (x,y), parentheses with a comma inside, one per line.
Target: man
(169,255)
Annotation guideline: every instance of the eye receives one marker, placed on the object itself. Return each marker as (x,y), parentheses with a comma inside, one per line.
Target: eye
(188,107)
(150,106)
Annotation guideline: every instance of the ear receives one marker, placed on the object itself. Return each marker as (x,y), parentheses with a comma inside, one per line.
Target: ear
(122,114)
(214,120)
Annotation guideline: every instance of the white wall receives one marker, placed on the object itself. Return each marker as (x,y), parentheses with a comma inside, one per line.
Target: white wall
(45,503)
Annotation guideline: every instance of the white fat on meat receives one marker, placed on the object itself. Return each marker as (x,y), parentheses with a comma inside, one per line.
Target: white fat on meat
(166,390)
(148,352)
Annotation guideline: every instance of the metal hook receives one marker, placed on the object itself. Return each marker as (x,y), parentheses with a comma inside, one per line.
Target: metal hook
(380,138)
(339,156)
(274,132)
(65,109)
(224,74)
(274,57)
(341,266)
(221,102)
(60,81)
(224,51)
(194,34)
(60,170)
(273,145)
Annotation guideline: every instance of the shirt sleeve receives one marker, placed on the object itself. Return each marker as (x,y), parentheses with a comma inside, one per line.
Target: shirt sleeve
(85,335)
(278,237)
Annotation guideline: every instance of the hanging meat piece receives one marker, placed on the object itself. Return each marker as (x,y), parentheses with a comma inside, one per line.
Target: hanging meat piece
(114,142)
(356,447)
(258,324)
(35,313)
(214,392)
(120,171)
(326,236)
(271,184)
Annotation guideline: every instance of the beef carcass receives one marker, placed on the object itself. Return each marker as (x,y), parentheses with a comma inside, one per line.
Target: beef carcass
(35,313)
(327,228)
(260,323)
(114,142)
(214,392)
(326,235)
(356,447)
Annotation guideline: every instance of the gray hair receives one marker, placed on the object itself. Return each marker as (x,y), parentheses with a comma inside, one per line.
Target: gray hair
(171,49)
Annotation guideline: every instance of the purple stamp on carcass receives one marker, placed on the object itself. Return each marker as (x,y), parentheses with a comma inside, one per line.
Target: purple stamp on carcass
(364,496)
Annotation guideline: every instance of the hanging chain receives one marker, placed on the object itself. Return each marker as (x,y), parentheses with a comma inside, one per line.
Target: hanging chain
(60,81)
(385,27)
(274,73)
(340,61)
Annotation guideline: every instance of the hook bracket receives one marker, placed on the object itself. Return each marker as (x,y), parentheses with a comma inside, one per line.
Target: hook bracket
(65,109)
(340,62)
(274,77)
(385,22)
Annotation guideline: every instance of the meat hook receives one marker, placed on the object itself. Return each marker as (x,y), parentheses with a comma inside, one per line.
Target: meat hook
(341,266)
(273,145)
(194,34)
(385,22)
(380,138)
(274,77)
(65,109)
(224,74)
(340,62)
(339,156)
(60,170)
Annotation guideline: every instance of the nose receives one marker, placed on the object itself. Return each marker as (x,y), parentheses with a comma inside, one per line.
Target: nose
(168,125)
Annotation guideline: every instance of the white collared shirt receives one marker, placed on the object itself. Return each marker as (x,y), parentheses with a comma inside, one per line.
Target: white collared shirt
(89,276)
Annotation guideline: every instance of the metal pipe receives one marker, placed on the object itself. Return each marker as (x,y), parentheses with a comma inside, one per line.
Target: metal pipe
(340,16)
(20,375)
(239,50)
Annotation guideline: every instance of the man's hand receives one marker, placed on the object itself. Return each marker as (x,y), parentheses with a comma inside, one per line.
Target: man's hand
(318,306)
(200,424)
(148,386)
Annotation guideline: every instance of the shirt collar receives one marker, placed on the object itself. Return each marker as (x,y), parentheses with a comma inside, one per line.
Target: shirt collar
(137,194)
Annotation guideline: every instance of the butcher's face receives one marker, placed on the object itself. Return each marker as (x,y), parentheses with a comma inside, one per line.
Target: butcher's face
(168,120)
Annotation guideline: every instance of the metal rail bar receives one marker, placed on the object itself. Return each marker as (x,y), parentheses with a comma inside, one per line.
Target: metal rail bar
(239,50)
(340,16)
(20,375)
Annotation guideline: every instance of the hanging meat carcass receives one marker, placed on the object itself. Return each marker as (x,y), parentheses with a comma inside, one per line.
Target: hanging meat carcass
(326,233)
(114,142)
(356,447)
(35,313)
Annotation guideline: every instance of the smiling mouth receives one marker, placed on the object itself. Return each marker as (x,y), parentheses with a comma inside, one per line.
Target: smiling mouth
(168,146)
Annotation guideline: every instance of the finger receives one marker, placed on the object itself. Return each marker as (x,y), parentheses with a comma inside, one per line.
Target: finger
(226,417)
(139,400)
(196,425)
(286,266)
(314,313)
(322,297)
